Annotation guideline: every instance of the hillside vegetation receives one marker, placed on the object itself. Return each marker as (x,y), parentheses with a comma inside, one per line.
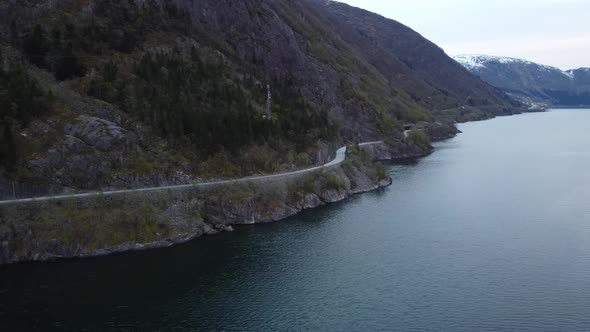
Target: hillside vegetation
(106,93)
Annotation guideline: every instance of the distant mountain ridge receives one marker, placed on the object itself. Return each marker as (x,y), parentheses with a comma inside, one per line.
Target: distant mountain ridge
(535,84)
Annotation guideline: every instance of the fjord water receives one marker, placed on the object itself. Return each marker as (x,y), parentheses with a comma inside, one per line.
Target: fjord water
(491,232)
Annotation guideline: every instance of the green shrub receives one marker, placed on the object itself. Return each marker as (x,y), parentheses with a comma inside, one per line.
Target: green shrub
(420,139)
(381,171)
(331,181)
(413,115)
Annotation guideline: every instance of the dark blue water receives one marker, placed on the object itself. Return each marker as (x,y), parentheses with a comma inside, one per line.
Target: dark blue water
(490,233)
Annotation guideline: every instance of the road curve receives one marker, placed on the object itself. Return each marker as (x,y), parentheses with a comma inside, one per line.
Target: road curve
(340,157)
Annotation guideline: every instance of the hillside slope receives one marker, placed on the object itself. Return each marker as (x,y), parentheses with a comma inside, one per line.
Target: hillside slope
(531,82)
(409,62)
(122,94)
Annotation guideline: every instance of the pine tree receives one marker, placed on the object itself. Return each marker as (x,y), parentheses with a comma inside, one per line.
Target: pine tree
(36,47)
(68,65)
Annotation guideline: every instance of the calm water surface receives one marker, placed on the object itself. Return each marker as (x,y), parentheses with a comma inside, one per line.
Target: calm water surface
(490,233)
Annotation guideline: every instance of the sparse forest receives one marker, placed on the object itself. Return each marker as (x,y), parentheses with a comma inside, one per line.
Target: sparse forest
(21,100)
(188,95)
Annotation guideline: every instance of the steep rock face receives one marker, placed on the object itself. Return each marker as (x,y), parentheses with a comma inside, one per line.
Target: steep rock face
(531,82)
(290,44)
(392,152)
(357,64)
(408,61)
(98,133)
(82,152)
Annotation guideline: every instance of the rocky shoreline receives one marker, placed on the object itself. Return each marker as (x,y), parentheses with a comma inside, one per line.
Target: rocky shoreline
(80,228)
(181,239)
(77,228)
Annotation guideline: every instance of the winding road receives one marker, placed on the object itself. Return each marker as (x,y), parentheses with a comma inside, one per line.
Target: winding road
(340,157)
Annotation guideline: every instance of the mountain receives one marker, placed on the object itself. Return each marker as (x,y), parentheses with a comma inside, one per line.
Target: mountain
(535,83)
(111,94)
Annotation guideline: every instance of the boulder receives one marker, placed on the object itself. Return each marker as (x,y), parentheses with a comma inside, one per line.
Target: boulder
(98,133)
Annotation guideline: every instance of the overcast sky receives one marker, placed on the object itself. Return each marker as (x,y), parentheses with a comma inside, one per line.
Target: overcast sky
(551,32)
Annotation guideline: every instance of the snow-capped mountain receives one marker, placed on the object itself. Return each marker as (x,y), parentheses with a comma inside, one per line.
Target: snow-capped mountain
(531,82)
(481,61)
